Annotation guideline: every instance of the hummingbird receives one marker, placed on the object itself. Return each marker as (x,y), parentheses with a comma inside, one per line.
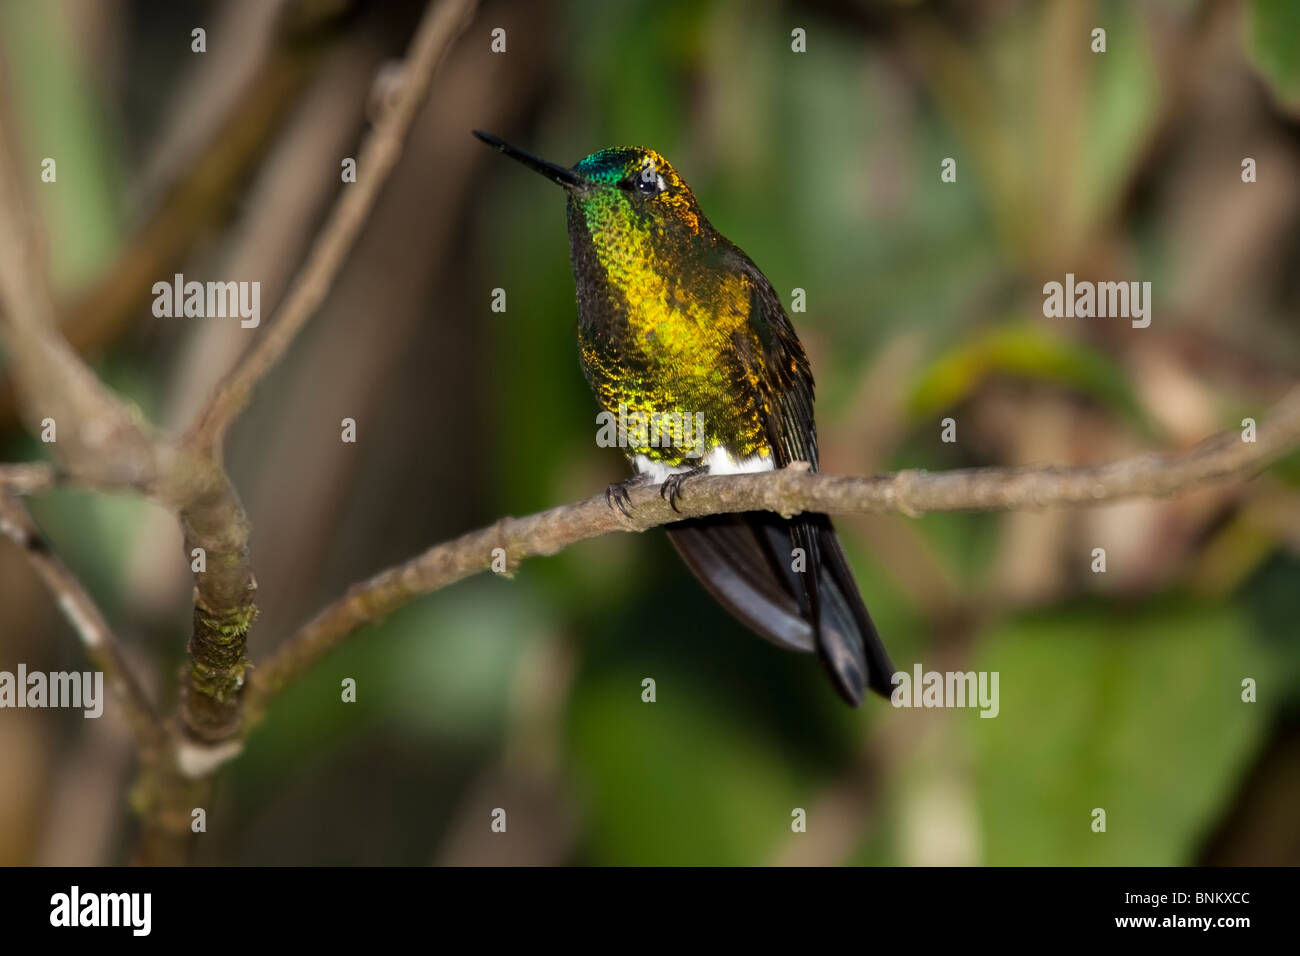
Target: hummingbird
(676,324)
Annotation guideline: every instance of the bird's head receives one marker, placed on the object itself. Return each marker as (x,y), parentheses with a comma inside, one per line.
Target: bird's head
(620,190)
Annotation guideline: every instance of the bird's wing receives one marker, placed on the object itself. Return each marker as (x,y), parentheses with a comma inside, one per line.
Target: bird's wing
(829,599)
(769,349)
(745,559)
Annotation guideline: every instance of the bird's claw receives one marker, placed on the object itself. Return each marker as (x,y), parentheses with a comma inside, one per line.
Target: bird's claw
(671,489)
(616,495)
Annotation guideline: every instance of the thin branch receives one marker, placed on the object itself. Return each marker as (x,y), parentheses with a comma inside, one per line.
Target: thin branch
(234,137)
(105,444)
(81,611)
(99,438)
(212,516)
(788,491)
(379,154)
(28,478)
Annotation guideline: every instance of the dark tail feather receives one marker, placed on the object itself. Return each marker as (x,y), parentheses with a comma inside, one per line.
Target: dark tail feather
(848,642)
(734,558)
(745,562)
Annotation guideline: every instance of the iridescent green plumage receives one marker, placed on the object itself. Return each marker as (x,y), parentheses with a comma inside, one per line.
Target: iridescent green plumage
(673,319)
(669,311)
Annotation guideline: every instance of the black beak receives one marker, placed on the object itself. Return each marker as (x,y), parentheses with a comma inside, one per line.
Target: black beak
(556,174)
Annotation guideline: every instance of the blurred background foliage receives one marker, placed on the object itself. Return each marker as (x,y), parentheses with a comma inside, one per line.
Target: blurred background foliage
(1119,690)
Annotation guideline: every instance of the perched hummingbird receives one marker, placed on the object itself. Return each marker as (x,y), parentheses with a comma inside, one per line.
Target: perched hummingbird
(675,319)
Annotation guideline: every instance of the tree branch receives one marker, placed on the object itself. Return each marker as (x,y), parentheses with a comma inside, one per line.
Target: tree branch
(788,491)
(441,24)
(99,438)
(234,139)
(27,478)
(212,516)
(79,608)
(104,443)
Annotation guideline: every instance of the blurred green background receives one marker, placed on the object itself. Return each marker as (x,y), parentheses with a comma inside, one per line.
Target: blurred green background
(1119,691)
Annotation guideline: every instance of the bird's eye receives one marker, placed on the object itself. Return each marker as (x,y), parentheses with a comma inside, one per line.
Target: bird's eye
(647,180)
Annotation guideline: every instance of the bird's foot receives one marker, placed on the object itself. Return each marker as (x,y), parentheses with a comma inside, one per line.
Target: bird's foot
(671,489)
(616,495)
